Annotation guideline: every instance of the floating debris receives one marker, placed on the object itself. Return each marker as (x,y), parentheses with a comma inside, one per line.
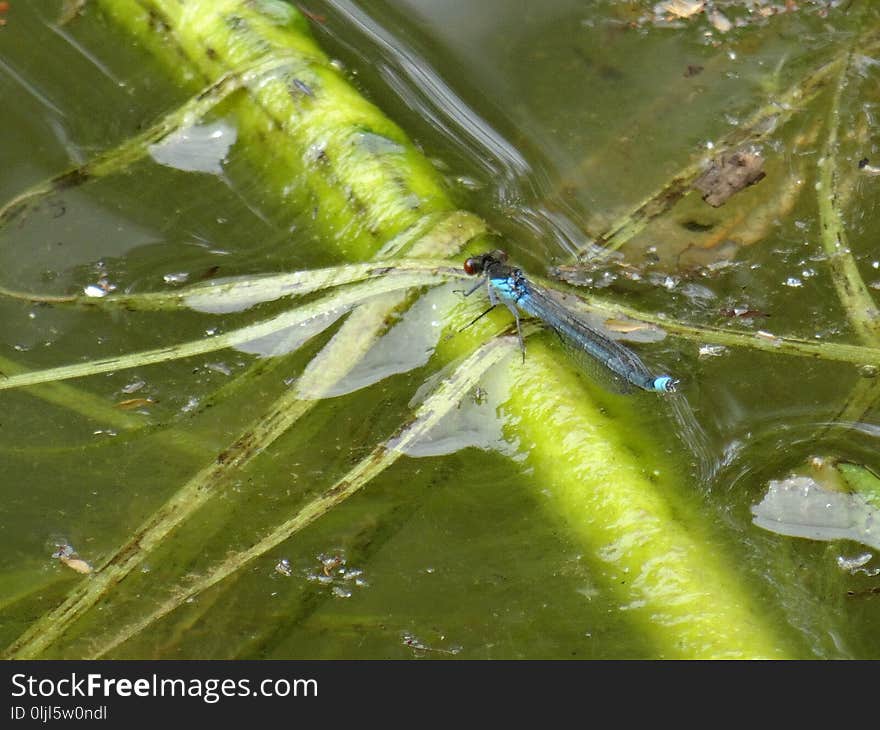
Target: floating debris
(866,167)
(101,289)
(857,565)
(769,336)
(335,573)
(416,644)
(176,277)
(331,562)
(219,367)
(680,8)
(742,313)
(133,387)
(132,403)
(680,13)
(70,10)
(719,21)
(630,330)
(283,567)
(706,351)
(729,175)
(625,326)
(66,555)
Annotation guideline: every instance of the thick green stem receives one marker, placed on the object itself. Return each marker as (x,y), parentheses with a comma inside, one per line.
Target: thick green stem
(678,590)
(333,153)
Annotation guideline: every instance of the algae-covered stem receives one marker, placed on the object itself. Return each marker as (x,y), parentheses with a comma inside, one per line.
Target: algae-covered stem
(332,152)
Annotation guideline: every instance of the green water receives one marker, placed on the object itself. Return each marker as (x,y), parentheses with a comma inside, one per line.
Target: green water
(549,121)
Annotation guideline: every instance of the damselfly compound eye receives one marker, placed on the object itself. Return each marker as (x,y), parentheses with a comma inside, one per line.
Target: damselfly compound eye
(473,266)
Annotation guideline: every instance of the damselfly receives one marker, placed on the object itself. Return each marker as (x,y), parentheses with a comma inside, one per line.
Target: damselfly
(509,285)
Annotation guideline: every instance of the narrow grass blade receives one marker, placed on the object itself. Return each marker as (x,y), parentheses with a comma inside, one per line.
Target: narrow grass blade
(86,404)
(445,398)
(339,302)
(857,301)
(135,148)
(240,294)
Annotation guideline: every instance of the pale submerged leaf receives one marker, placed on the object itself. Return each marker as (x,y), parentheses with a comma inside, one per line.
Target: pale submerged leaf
(197,148)
(800,507)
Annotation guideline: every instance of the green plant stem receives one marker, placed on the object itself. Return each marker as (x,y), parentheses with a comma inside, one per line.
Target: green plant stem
(765,342)
(851,290)
(241,294)
(332,152)
(833,195)
(686,597)
(90,406)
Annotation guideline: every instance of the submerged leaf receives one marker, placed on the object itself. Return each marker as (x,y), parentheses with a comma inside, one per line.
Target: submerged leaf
(800,507)
(197,148)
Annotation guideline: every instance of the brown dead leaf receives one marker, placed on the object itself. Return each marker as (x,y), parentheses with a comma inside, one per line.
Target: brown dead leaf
(729,175)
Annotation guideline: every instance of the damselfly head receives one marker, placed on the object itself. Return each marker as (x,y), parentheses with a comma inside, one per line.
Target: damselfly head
(473,265)
(478,264)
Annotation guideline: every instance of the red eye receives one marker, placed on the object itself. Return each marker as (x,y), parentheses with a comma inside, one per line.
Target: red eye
(473,266)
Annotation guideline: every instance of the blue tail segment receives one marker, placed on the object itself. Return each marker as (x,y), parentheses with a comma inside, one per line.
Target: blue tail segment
(510,286)
(664,384)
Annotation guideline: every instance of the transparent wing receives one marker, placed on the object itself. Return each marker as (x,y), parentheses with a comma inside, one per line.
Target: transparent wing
(583,338)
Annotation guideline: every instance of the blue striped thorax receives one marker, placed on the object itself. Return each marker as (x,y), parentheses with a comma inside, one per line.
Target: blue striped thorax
(511,285)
